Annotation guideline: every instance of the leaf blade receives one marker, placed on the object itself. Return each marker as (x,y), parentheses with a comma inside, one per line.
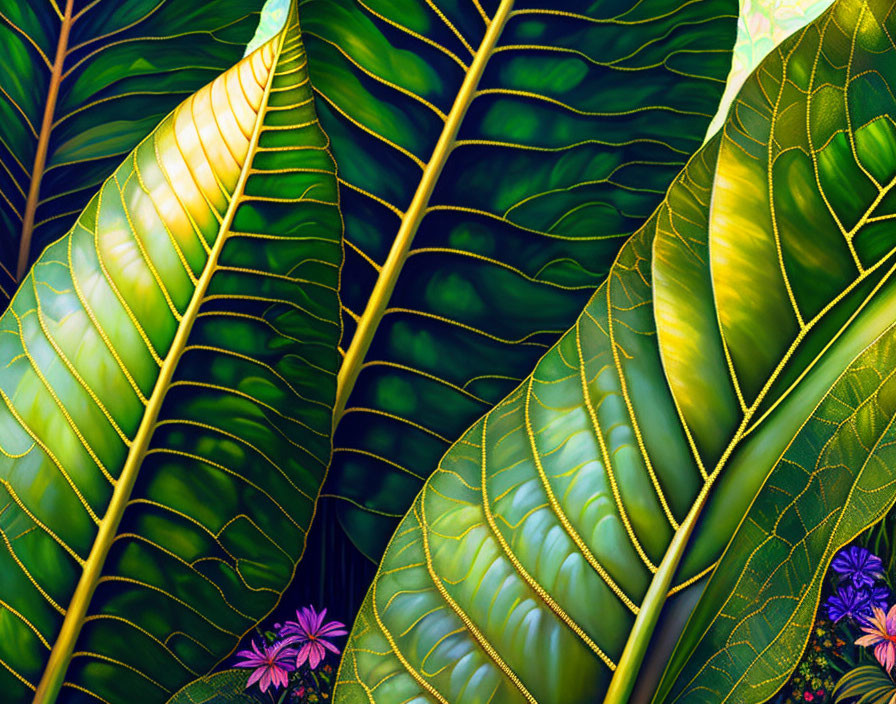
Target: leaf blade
(632,460)
(182,342)
(515,237)
(89,83)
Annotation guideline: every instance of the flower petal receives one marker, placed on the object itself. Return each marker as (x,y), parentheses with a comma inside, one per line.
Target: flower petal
(265,681)
(329,627)
(320,620)
(889,656)
(254,677)
(329,646)
(280,677)
(317,654)
(303,653)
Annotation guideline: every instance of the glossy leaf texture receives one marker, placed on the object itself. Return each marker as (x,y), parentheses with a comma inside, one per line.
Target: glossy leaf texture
(167,375)
(731,348)
(829,196)
(83,83)
(582,116)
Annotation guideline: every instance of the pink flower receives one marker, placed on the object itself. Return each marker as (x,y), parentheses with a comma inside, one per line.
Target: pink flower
(272,664)
(881,634)
(310,630)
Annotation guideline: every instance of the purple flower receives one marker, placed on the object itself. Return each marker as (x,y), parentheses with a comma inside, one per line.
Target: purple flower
(310,630)
(848,602)
(878,598)
(271,663)
(864,568)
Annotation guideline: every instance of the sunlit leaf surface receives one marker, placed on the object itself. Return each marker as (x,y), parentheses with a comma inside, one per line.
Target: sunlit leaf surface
(167,375)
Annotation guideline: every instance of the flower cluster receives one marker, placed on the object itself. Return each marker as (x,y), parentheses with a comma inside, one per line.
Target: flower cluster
(853,628)
(296,650)
(860,591)
(863,598)
(814,678)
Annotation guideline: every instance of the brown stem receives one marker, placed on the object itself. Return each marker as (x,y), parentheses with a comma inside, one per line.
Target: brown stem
(43,143)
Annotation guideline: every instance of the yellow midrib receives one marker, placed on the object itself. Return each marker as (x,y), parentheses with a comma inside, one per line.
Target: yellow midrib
(382,291)
(43,143)
(57,664)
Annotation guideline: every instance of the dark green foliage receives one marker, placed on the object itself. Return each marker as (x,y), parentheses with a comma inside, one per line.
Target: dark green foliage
(127,64)
(583,116)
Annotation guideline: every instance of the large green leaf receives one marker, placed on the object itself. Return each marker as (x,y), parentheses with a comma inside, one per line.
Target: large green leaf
(167,375)
(494,156)
(827,193)
(730,347)
(82,83)
(868,684)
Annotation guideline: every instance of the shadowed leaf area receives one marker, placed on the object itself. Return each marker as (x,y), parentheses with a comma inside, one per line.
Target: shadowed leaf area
(731,382)
(583,115)
(83,83)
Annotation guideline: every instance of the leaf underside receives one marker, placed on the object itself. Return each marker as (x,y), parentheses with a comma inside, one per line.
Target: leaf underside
(737,351)
(170,363)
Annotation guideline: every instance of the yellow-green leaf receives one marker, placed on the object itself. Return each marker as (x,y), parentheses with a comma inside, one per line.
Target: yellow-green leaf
(167,375)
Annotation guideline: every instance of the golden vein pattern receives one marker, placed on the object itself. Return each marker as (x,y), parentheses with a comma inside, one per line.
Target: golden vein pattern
(472,246)
(536,561)
(167,374)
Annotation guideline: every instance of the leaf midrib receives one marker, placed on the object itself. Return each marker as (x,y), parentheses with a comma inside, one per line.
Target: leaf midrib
(43,142)
(645,623)
(370,319)
(63,647)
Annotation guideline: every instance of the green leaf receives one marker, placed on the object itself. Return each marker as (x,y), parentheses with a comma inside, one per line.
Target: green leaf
(834,478)
(226,687)
(83,83)
(167,375)
(494,156)
(732,347)
(867,684)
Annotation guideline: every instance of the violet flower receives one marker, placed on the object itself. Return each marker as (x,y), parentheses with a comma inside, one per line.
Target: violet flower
(271,664)
(859,565)
(881,635)
(878,597)
(848,602)
(313,634)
